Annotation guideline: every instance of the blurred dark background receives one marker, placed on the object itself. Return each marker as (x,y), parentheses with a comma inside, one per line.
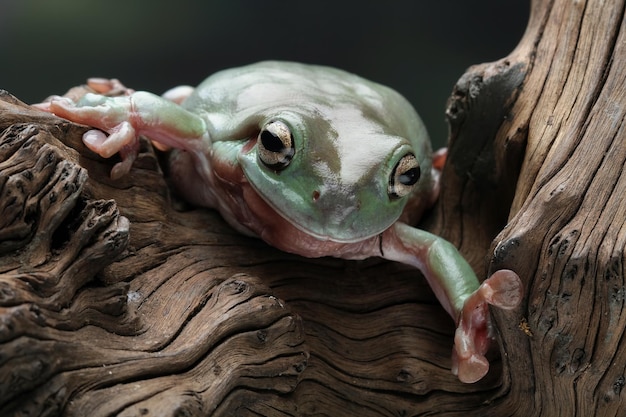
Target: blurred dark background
(419,48)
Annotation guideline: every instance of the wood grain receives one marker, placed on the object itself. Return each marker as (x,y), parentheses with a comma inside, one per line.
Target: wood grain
(116,304)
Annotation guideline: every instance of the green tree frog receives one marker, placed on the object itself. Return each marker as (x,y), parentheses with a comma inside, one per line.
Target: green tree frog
(315,161)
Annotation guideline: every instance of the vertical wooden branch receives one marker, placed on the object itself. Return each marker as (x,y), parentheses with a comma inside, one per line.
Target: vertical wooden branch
(556,108)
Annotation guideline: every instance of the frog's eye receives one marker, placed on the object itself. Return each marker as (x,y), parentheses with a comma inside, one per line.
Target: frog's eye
(404,176)
(275,145)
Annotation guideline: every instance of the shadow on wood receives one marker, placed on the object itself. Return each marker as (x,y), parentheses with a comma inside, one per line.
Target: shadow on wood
(112,302)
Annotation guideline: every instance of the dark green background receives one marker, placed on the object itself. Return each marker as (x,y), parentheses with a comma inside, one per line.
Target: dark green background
(419,48)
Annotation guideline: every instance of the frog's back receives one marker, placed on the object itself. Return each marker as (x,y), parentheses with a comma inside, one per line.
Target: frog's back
(272,82)
(234,95)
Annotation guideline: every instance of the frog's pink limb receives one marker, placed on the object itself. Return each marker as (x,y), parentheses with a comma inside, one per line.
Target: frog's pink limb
(458,290)
(176,95)
(125,118)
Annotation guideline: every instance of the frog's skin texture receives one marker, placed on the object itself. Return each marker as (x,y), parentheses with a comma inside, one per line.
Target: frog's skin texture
(313,160)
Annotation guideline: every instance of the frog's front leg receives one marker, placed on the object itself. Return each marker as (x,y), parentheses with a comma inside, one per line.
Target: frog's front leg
(458,290)
(125,118)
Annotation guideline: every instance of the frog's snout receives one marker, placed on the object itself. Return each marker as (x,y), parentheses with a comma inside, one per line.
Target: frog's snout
(316,195)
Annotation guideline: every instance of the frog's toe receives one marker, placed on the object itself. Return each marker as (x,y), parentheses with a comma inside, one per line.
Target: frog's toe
(469,368)
(58,105)
(503,289)
(128,155)
(46,105)
(121,136)
(109,87)
(66,108)
(95,140)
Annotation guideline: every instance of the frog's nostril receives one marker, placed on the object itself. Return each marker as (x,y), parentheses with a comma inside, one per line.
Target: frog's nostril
(316,195)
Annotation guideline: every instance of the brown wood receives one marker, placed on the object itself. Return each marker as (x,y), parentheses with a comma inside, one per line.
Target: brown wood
(116,299)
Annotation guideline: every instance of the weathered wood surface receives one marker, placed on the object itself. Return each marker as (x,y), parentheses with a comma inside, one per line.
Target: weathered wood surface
(565,86)
(128,307)
(112,302)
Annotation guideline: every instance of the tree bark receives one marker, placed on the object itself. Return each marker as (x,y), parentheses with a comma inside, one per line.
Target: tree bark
(550,119)
(117,299)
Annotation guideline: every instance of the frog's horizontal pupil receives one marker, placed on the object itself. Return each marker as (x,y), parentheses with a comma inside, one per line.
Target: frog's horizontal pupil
(405,175)
(272,142)
(275,145)
(410,177)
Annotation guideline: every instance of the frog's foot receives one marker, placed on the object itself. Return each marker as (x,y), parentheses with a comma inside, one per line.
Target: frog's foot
(125,118)
(471,340)
(109,115)
(124,133)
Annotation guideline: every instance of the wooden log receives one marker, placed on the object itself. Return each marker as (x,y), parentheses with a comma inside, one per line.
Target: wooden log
(117,304)
(569,215)
(116,299)
(550,119)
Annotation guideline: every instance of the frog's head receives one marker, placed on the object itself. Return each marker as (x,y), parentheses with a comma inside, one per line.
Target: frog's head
(338,175)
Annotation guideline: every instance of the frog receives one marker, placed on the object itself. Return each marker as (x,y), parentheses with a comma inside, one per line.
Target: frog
(314,160)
